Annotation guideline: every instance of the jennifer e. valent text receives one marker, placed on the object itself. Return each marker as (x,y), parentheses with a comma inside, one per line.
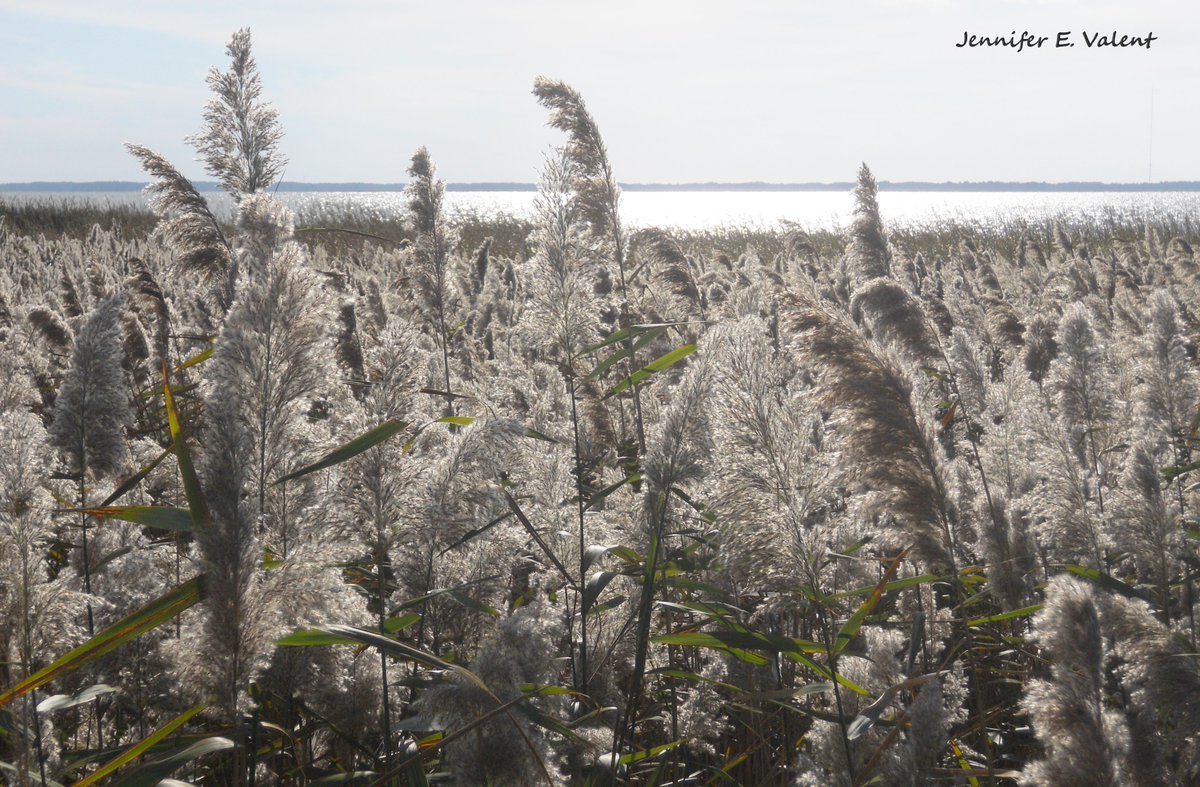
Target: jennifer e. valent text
(1064,38)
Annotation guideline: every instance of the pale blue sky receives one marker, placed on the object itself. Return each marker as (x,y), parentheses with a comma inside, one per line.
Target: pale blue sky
(683,90)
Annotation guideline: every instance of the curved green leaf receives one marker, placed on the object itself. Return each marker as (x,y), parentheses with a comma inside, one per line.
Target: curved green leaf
(899,584)
(198,358)
(151,616)
(655,366)
(1106,581)
(135,479)
(744,640)
(191,482)
(140,748)
(850,630)
(357,636)
(313,638)
(61,701)
(1023,612)
(598,497)
(609,603)
(351,449)
(629,759)
(626,352)
(625,333)
(153,773)
(595,586)
(161,517)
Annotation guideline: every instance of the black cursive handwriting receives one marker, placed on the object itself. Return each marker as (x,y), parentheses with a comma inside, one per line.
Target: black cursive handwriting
(1024,39)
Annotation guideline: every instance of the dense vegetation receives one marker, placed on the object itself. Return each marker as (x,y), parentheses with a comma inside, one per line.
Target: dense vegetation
(555,502)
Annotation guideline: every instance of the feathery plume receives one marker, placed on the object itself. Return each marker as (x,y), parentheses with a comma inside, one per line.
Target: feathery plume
(684,440)
(1160,686)
(970,374)
(1075,438)
(676,458)
(70,297)
(424,194)
(460,494)
(1040,347)
(872,400)
(890,315)
(504,749)
(591,175)
(867,254)
(136,344)
(147,294)
(672,265)
(92,409)
(597,198)
(1147,525)
(187,222)
(37,612)
(1170,389)
(431,253)
(271,362)
(1083,393)
(53,329)
(1084,743)
(267,226)
(234,628)
(238,145)
(6,318)
(562,279)
(349,349)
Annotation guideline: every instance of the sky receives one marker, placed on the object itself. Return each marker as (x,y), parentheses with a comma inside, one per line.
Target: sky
(682,90)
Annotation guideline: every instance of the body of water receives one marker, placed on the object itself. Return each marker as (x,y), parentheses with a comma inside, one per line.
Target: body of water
(811,210)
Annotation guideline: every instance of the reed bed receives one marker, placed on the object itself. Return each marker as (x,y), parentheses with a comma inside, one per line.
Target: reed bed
(347,499)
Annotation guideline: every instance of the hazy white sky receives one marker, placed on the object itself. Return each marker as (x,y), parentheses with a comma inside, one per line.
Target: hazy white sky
(683,90)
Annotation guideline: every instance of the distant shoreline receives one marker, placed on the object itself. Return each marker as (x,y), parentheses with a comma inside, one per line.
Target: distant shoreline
(984,186)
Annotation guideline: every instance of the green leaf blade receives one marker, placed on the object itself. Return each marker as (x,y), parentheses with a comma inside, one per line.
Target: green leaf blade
(364,442)
(659,364)
(178,520)
(141,747)
(151,616)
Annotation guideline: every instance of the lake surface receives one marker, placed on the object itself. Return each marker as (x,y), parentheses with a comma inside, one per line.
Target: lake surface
(693,210)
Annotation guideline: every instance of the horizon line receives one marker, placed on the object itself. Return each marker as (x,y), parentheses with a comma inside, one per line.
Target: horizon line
(45,186)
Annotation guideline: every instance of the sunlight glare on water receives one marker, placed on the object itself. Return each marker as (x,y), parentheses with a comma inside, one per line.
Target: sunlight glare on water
(812,210)
(698,210)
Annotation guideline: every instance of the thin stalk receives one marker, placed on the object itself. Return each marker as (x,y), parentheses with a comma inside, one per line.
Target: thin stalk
(673,688)
(582,678)
(262,428)
(619,253)
(30,705)
(1189,588)
(837,693)
(87,562)
(425,602)
(27,659)
(87,577)
(252,750)
(960,595)
(399,242)
(178,581)
(380,561)
(445,342)
(645,612)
